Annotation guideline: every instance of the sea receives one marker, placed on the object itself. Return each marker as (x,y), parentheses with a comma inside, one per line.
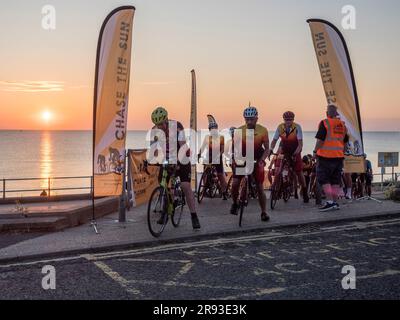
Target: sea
(40,155)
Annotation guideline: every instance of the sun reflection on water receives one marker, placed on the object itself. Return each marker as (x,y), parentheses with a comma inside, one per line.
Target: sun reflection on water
(46,152)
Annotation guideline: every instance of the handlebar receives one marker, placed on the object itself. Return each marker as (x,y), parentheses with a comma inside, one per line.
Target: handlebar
(164,165)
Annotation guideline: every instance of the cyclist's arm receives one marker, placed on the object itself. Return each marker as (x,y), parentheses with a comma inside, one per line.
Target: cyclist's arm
(299,148)
(275,140)
(203,146)
(321,136)
(266,152)
(300,140)
(182,139)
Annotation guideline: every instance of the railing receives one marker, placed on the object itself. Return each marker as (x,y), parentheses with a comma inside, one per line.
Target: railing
(387,177)
(48,190)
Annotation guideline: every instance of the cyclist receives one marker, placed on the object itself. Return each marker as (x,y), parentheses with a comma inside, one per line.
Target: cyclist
(161,122)
(208,142)
(261,151)
(229,148)
(291,136)
(307,169)
(363,180)
(369,176)
(273,167)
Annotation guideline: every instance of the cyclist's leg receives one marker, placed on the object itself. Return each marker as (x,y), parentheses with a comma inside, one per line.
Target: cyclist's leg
(348,184)
(368,184)
(336,179)
(221,177)
(259,176)
(354,190)
(295,183)
(235,188)
(185,174)
(298,168)
(362,183)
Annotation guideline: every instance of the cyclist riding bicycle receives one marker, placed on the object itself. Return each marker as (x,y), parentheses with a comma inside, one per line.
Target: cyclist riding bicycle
(261,151)
(160,119)
(215,153)
(273,167)
(229,147)
(291,136)
(307,169)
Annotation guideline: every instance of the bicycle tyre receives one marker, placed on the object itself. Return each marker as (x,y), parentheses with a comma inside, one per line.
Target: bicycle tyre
(202,187)
(242,201)
(154,215)
(275,192)
(177,215)
(241,207)
(286,195)
(229,188)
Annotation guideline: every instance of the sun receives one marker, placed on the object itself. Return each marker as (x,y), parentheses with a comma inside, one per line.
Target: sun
(47,116)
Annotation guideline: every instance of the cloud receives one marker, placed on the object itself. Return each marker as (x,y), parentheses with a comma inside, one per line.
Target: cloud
(31,86)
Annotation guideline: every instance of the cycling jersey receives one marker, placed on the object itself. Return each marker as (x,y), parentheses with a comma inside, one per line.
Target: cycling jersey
(260,138)
(219,149)
(289,137)
(180,137)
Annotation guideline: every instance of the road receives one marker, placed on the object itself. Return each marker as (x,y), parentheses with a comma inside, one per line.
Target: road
(293,263)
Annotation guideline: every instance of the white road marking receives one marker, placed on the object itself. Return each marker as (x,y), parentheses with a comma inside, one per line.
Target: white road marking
(116,277)
(380,274)
(205,243)
(258,293)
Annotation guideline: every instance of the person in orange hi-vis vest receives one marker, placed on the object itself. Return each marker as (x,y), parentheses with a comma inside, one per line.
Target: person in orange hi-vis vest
(329,151)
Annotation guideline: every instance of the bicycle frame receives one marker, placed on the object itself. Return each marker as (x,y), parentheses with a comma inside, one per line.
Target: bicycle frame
(283,184)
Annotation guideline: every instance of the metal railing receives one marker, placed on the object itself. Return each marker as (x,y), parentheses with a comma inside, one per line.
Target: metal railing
(386,177)
(48,190)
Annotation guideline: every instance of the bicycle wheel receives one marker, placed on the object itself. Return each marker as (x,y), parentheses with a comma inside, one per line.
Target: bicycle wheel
(243,192)
(177,215)
(213,190)
(202,187)
(275,192)
(157,212)
(286,194)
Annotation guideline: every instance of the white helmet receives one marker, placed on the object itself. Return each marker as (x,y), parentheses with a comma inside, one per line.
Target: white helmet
(250,112)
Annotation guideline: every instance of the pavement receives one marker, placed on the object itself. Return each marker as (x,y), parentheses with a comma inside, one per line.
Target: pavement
(51,216)
(214,218)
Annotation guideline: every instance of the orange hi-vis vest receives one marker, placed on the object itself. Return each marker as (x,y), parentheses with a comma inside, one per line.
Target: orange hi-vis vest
(333,146)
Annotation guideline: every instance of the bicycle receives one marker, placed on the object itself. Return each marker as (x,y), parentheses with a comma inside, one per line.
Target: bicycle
(247,190)
(168,199)
(282,187)
(209,184)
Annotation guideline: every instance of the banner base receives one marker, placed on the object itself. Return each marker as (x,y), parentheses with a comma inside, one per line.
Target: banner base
(94,225)
(369,198)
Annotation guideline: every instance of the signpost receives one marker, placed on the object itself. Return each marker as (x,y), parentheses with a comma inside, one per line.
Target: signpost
(388,160)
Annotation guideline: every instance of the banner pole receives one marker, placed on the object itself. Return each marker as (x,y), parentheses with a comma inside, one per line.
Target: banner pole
(193,122)
(122,206)
(93,223)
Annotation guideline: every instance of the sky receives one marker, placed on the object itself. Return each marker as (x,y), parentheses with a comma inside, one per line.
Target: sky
(254,50)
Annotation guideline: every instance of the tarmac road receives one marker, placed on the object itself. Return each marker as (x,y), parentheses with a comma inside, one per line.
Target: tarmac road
(293,263)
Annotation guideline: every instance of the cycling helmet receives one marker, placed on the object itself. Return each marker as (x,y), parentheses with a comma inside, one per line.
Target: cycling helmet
(289,115)
(159,115)
(250,112)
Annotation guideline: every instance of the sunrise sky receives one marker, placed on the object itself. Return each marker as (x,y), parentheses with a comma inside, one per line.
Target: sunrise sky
(254,50)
